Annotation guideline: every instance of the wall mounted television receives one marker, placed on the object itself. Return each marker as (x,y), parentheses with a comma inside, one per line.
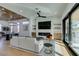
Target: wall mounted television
(44,25)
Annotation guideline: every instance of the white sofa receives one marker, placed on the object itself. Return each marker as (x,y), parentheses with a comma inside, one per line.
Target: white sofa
(27,43)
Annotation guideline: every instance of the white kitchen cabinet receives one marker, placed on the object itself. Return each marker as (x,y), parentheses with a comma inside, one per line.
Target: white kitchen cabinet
(14,41)
(39,45)
(27,43)
(21,42)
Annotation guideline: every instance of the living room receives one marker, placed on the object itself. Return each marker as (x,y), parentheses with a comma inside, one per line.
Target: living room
(25,28)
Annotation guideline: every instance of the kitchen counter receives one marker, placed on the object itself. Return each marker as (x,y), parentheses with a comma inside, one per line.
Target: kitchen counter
(27,43)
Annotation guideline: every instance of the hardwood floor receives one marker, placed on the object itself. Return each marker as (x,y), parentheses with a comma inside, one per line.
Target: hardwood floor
(62,48)
(6,50)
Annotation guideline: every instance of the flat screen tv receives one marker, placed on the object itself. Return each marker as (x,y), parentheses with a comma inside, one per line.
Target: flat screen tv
(44,25)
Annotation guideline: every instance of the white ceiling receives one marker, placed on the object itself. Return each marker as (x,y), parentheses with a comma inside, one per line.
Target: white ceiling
(28,9)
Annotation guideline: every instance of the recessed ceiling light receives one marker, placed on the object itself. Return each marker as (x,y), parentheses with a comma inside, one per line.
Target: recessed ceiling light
(21,11)
(2,9)
(55,13)
(26,22)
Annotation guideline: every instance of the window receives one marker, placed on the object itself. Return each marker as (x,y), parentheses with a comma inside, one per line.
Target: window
(71,29)
(75,28)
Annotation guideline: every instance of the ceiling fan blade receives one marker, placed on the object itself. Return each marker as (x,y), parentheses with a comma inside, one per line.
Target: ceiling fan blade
(38,14)
(43,16)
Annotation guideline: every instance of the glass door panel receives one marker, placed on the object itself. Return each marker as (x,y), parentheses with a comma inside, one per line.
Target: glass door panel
(75,30)
(67,30)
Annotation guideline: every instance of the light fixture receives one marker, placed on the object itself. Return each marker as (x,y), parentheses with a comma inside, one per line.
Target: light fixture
(18,23)
(26,22)
(55,13)
(20,10)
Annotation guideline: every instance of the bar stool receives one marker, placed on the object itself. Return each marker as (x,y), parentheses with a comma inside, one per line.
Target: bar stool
(48,48)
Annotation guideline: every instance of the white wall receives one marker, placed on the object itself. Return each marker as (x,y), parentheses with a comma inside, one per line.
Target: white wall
(31,26)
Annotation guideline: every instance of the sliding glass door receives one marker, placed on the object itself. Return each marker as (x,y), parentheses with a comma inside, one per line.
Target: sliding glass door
(75,30)
(67,30)
(71,29)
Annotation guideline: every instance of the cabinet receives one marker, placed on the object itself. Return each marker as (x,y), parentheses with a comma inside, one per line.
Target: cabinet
(21,42)
(27,43)
(39,46)
(14,42)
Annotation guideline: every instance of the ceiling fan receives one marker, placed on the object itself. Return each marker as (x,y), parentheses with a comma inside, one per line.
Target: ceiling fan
(39,13)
